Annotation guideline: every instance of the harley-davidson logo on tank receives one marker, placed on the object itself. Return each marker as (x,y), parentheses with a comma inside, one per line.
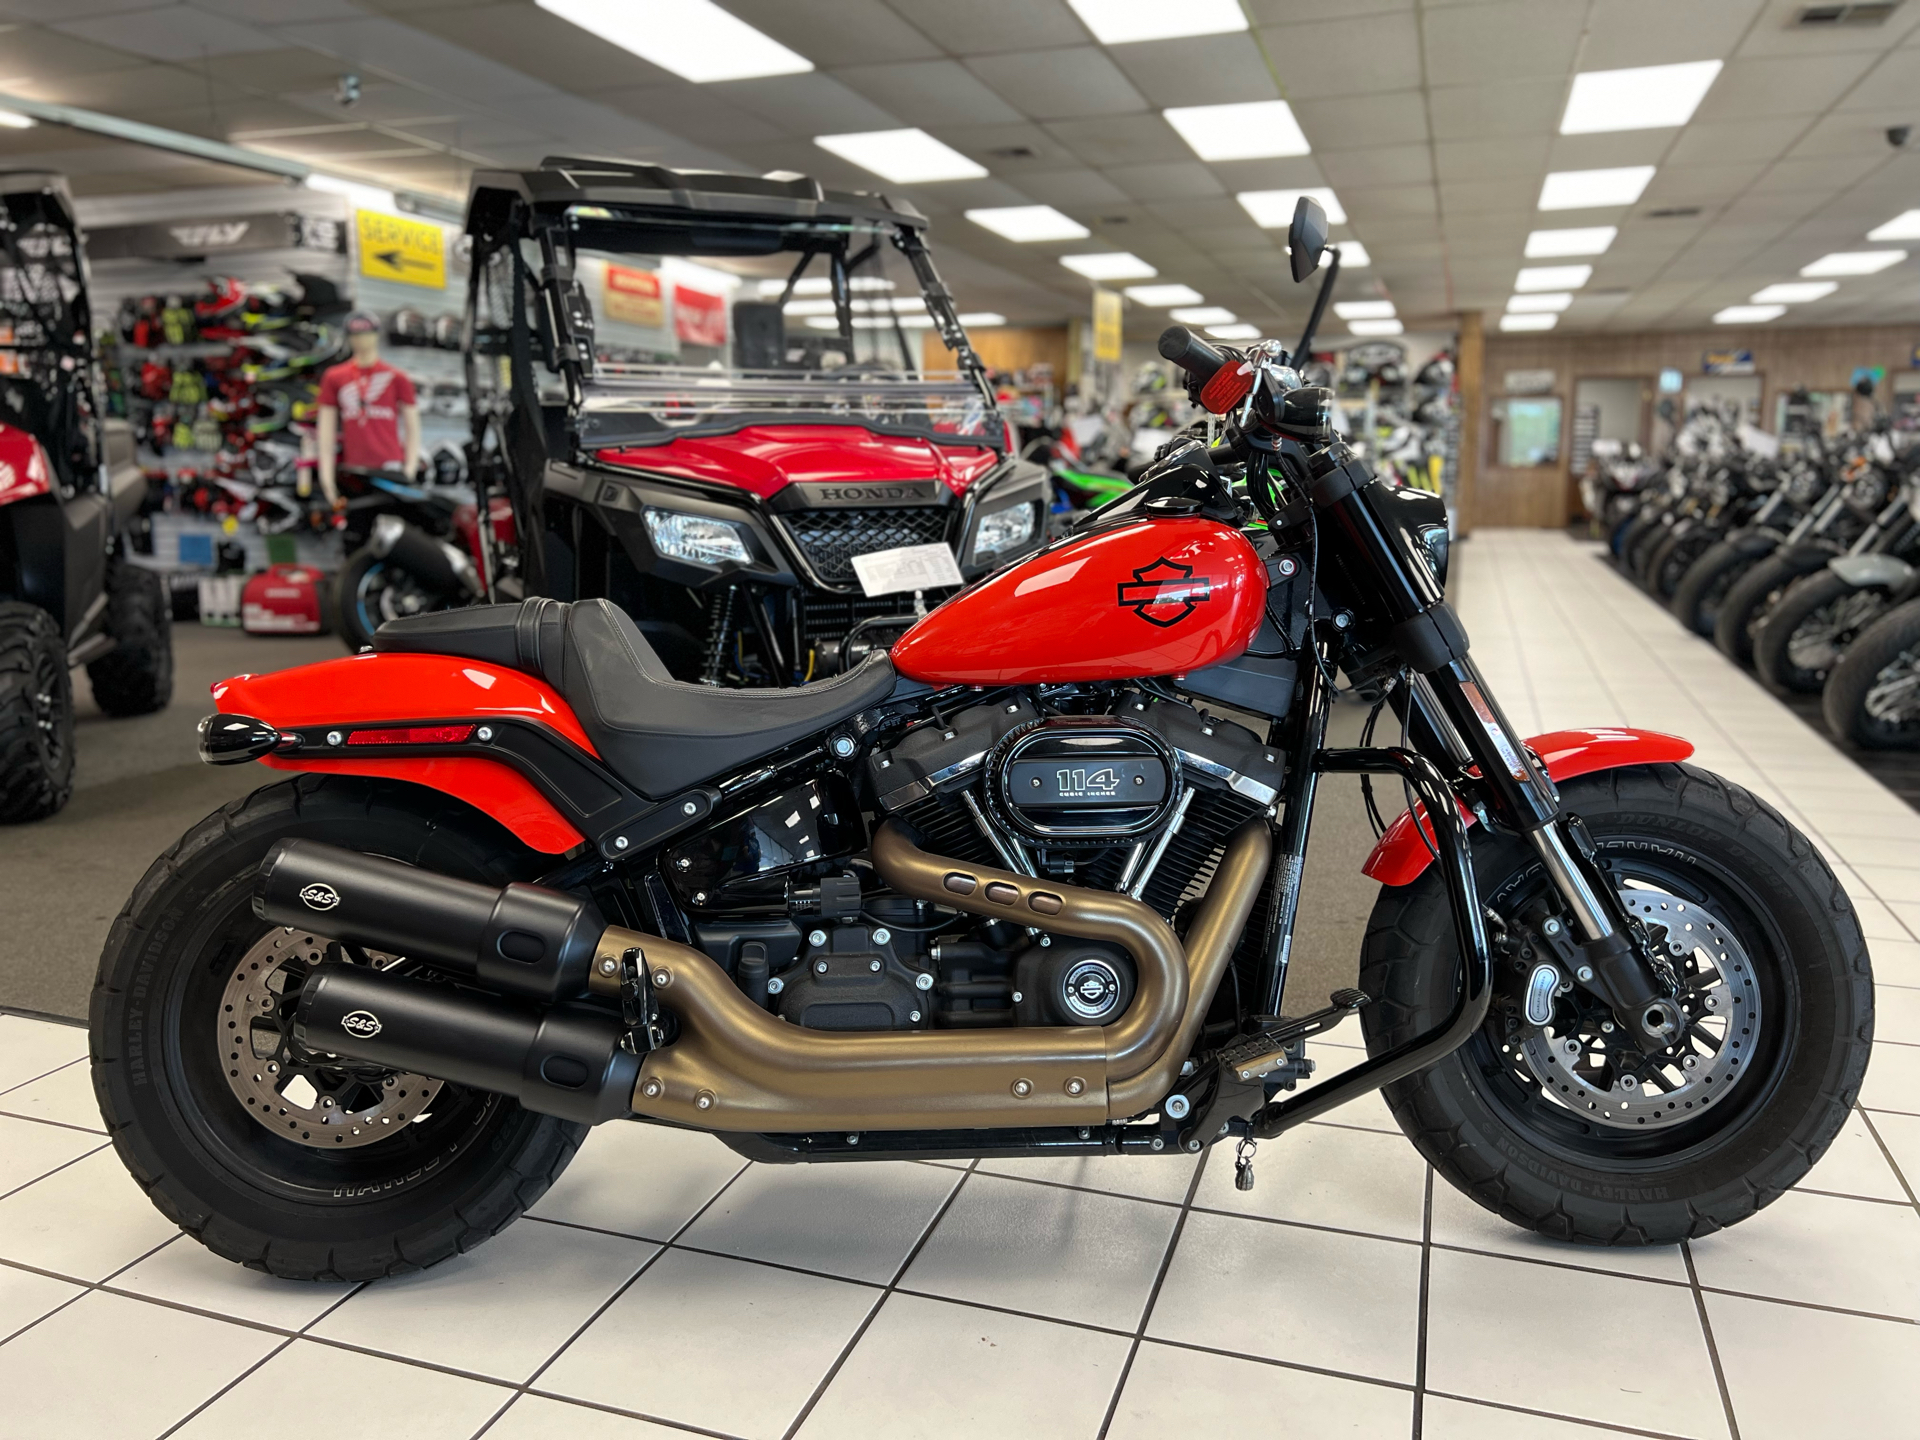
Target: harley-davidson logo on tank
(1075,610)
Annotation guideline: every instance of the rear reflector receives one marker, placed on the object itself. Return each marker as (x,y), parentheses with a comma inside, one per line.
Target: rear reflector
(412,735)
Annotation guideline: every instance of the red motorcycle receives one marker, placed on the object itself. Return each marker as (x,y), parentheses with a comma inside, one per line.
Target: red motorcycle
(1021,885)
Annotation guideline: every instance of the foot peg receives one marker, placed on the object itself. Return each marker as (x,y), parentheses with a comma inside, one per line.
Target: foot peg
(1260,1055)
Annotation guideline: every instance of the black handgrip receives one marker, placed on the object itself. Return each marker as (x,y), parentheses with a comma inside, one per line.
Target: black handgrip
(1190,352)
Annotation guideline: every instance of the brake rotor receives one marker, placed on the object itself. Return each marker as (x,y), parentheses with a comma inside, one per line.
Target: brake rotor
(297,1097)
(1592,1069)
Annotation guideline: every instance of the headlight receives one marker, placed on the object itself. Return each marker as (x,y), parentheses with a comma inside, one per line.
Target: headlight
(698,538)
(1435,541)
(1002,530)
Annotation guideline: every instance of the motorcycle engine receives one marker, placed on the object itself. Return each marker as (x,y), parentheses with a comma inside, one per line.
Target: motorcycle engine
(1128,791)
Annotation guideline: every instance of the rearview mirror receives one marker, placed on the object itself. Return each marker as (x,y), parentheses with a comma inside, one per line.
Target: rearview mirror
(1306,238)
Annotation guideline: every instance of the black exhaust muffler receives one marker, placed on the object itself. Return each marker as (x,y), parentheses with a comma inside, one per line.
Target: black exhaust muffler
(523,940)
(567,1061)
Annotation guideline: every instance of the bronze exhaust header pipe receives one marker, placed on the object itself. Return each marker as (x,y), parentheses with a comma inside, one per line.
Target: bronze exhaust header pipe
(733,1066)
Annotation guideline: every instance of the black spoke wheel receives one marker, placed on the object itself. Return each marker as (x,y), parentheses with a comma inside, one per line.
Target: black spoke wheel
(303,1165)
(1803,637)
(1872,698)
(1603,1161)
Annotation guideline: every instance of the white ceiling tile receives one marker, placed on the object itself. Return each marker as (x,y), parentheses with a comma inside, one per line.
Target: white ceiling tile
(1509,194)
(1121,140)
(172,32)
(808,105)
(987,27)
(1697,184)
(1859,135)
(1605,152)
(1294,172)
(1388,202)
(1360,53)
(1893,80)
(1060,84)
(1521,107)
(1353,122)
(1165,181)
(1494,159)
(1766,88)
(692,109)
(1497,44)
(1071,190)
(1381,165)
(1008,149)
(930,92)
(1624,33)
(1718,143)
(1775,34)
(837,32)
(1813,176)
(1196,70)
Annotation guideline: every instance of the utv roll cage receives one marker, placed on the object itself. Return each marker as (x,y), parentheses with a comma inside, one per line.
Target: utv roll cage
(528,311)
(49,385)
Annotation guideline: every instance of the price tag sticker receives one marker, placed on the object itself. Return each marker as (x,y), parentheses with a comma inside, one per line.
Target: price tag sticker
(910,567)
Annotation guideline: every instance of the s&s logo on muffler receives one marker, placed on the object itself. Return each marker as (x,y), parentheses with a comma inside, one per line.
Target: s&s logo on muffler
(318,896)
(362,1023)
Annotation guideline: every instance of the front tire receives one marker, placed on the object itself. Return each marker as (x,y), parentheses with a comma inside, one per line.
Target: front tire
(136,676)
(1755,592)
(1810,628)
(1548,1166)
(1698,597)
(442,1182)
(36,715)
(1872,697)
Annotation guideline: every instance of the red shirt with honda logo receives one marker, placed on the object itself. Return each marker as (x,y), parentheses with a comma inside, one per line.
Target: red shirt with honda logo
(369,399)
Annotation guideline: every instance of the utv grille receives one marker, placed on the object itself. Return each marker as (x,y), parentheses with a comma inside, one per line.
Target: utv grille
(829,617)
(831,538)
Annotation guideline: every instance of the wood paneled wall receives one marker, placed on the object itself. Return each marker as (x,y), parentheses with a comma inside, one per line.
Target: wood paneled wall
(1011,347)
(1790,359)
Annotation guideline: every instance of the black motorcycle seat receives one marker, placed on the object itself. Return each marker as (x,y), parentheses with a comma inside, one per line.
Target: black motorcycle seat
(659,734)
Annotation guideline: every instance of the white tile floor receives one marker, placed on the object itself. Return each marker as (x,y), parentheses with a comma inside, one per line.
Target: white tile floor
(665,1288)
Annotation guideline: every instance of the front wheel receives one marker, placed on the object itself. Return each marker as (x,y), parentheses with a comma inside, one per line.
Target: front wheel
(1807,631)
(296,1163)
(1872,697)
(1565,1128)
(36,715)
(1754,593)
(1698,596)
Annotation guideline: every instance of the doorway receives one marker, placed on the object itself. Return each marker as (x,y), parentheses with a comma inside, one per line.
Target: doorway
(1609,408)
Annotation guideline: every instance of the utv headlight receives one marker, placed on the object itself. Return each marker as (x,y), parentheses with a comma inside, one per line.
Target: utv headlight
(698,538)
(1004,529)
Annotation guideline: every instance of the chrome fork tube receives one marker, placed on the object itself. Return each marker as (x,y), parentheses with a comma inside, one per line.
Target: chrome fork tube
(1589,912)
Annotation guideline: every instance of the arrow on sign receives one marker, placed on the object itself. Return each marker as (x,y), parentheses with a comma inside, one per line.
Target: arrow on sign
(397,261)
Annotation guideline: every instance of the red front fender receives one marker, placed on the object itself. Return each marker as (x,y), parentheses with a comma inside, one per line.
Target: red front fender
(1402,852)
(371,687)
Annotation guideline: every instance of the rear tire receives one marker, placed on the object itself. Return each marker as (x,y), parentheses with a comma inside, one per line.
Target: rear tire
(437,1186)
(1872,697)
(36,715)
(1548,1166)
(1703,589)
(136,676)
(1808,630)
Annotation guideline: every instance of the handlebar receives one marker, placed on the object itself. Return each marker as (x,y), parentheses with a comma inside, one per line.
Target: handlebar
(1190,352)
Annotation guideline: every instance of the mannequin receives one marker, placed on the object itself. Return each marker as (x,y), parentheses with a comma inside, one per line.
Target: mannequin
(369,414)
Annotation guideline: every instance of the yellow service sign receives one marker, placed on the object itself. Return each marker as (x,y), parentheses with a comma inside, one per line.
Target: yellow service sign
(1106,325)
(413,252)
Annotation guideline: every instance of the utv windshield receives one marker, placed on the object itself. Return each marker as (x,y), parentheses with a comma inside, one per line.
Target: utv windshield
(706,323)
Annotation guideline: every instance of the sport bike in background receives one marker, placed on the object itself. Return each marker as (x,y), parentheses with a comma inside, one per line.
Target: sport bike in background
(1022,883)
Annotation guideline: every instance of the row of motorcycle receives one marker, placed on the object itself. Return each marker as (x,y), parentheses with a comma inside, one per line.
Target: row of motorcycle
(1802,564)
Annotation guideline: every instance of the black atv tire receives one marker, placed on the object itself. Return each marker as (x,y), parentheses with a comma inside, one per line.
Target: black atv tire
(1754,593)
(1892,640)
(1546,1166)
(435,1187)
(136,676)
(36,715)
(1698,596)
(1781,643)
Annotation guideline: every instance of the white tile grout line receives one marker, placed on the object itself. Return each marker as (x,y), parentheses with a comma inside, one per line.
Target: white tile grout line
(1426,1308)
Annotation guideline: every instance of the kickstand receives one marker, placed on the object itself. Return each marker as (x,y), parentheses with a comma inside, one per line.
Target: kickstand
(1243,1163)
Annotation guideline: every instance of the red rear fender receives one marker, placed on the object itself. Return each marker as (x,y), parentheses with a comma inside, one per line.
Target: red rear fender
(364,688)
(1402,854)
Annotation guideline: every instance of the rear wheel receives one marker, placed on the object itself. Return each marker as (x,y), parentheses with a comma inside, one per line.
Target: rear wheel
(136,676)
(1567,1130)
(268,1154)
(36,715)
(1807,631)
(1872,698)
(371,590)
(1674,559)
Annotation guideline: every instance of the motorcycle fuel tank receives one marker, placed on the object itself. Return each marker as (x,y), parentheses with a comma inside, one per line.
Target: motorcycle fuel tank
(1160,597)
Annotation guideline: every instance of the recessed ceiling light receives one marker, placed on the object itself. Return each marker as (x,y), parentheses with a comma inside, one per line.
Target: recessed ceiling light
(695,39)
(906,157)
(1114,265)
(1552,277)
(1363,309)
(14,120)
(1160,297)
(1254,130)
(982,320)
(1203,315)
(821,285)
(1794,292)
(1528,322)
(1273,209)
(1376,327)
(1854,262)
(1555,244)
(1234,332)
(1748,314)
(1904,226)
(1647,97)
(1028,223)
(1122,22)
(1550,303)
(1588,189)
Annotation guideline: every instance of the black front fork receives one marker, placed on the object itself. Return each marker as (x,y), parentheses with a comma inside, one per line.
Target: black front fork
(1452,718)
